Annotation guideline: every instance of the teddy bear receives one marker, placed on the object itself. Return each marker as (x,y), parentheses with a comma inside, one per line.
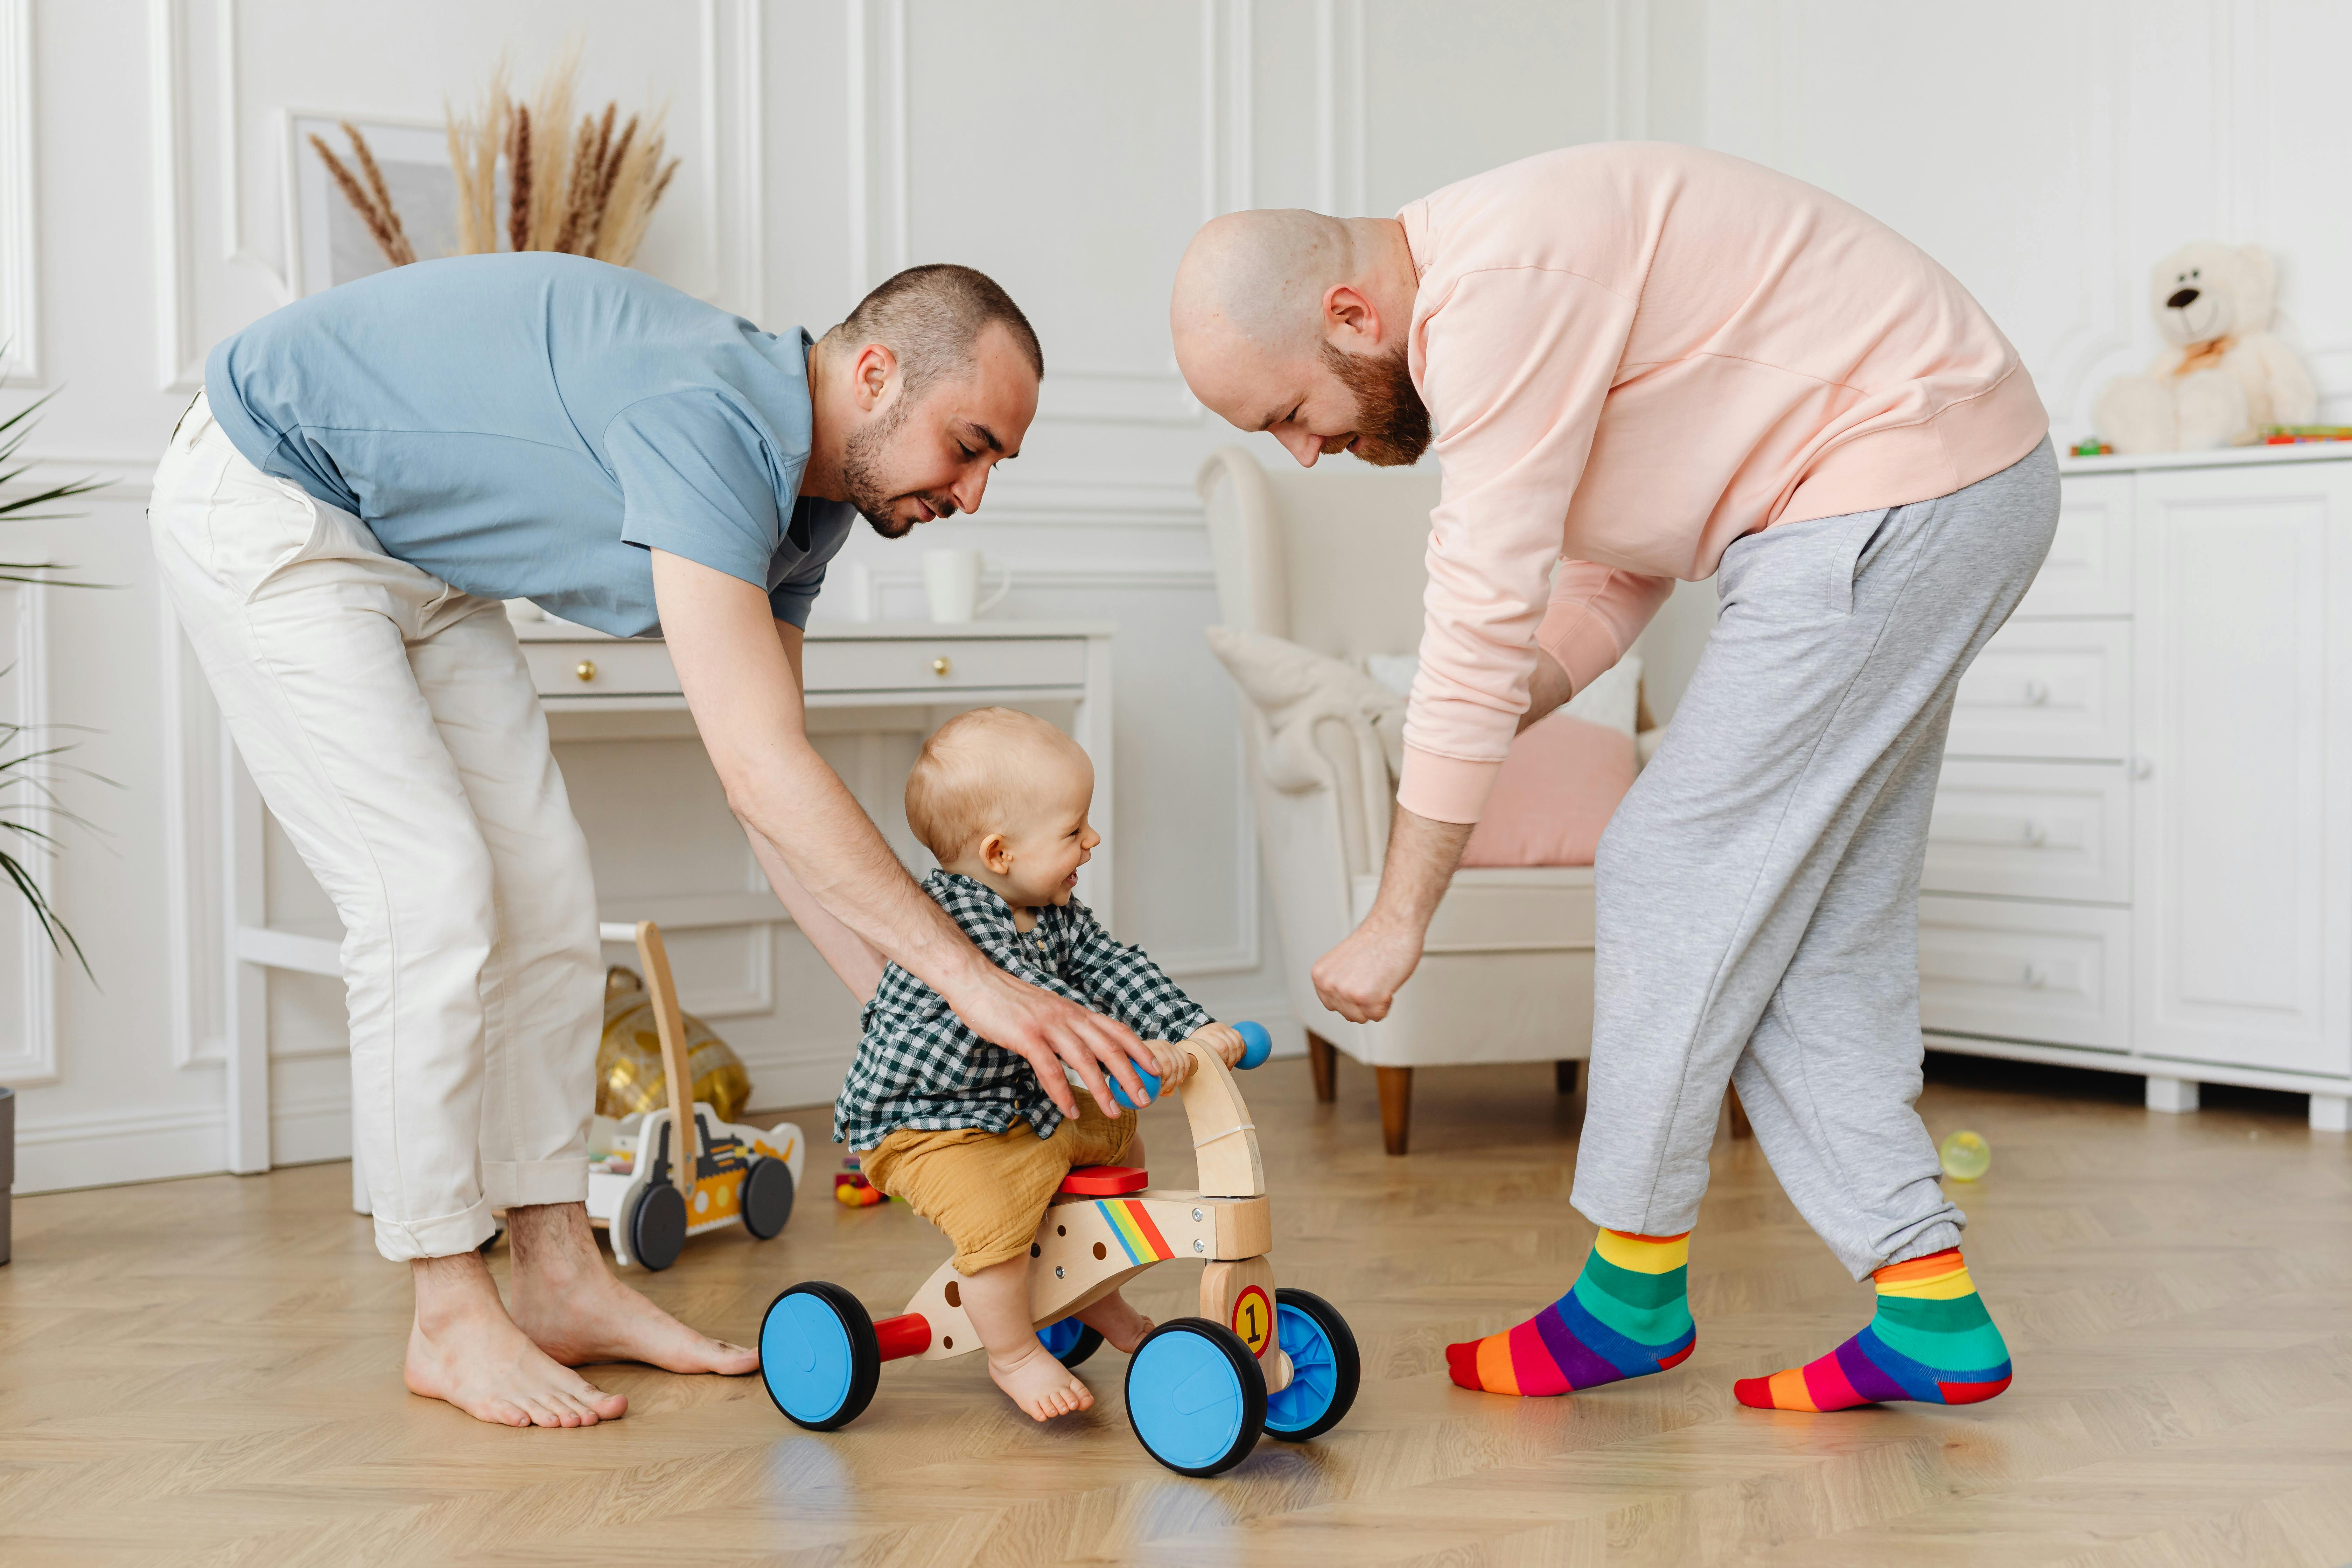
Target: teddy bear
(2223,374)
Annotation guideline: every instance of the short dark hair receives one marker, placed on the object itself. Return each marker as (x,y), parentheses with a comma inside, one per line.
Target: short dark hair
(930,316)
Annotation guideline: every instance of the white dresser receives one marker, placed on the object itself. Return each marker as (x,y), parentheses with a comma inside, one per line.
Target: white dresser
(2141,857)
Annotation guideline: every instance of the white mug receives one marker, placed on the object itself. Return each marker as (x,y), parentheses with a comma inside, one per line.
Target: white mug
(952,579)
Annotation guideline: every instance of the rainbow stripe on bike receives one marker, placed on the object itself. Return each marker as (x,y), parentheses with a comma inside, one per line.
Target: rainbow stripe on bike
(1131,1224)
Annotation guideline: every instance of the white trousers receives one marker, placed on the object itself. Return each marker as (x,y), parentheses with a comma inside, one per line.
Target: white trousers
(392,726)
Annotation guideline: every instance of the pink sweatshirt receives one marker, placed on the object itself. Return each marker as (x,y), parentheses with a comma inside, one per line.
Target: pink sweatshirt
(1636,353)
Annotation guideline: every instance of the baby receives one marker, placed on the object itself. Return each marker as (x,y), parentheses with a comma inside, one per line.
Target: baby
(960,1129)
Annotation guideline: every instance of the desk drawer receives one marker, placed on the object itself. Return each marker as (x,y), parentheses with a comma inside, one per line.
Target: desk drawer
(2048,688)
(943,664)
(2053,972)
(2041,830)
(601,668)
(946,664)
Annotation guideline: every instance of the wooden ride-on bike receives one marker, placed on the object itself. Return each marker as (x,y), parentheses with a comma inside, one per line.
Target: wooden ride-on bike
(1199,1390)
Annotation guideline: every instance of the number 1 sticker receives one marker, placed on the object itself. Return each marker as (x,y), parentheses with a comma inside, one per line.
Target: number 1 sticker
(1254,1319)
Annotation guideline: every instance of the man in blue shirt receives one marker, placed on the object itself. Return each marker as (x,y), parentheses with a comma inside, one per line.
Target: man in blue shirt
(366,476)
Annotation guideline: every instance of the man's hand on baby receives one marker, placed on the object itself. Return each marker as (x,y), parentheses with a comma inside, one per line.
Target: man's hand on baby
(1049,1032)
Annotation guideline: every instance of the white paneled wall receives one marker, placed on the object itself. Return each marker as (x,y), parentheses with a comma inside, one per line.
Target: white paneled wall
(2046,153)
(2049,154)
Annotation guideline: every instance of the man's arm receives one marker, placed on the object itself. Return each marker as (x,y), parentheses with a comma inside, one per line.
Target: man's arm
(1510,461)
(1358,978)
(1518,366)
(857,962)
(744,689)
(1548,689)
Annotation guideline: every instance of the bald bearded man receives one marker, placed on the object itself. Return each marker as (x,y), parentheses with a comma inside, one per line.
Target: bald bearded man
(1644,363)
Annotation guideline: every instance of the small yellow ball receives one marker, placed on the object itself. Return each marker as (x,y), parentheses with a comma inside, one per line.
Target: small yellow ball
(1966,1156)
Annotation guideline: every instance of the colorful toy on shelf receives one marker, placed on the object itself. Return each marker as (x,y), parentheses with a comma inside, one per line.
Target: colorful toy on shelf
(669,1175)
(2301,435)
(1199,1390)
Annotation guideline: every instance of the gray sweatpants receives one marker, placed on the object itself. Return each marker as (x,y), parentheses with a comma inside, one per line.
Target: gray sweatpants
(1758,889)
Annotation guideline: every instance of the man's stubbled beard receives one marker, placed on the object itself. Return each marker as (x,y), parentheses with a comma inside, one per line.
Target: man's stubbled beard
(861,474)
(1392,421)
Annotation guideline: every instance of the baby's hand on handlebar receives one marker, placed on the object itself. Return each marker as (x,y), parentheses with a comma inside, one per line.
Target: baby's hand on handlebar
(1222,1039)
(1174,1064)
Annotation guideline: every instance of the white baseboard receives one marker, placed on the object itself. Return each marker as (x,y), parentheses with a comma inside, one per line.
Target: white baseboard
(109,1149)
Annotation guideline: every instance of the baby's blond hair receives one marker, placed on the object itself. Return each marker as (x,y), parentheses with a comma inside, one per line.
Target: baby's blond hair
(967,783)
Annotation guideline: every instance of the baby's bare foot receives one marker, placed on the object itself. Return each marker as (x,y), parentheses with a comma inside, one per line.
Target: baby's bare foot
(1118,1322)
(1041,1385)
(463,1348)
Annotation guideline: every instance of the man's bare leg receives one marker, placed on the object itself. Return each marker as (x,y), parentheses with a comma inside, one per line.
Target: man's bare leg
(465,1349)
(568,1303)
(997,1300)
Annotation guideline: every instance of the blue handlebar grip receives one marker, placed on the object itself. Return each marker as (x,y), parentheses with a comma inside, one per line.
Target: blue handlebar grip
(1257,1046)
(1151,1087)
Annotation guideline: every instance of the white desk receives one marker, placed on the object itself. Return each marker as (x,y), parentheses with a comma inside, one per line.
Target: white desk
(873,665)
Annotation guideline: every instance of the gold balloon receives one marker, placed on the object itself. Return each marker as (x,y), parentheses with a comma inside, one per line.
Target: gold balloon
(629,1060)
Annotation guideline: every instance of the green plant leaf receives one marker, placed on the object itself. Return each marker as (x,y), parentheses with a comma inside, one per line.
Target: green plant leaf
(13,769)
(61,939)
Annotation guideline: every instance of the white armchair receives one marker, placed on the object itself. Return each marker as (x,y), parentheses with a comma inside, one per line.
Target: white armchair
(1334,561)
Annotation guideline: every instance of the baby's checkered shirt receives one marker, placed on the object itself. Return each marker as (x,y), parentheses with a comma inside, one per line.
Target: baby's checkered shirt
(919,1065)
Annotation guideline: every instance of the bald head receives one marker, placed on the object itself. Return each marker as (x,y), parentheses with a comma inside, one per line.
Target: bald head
(1294,323)
(1257,278)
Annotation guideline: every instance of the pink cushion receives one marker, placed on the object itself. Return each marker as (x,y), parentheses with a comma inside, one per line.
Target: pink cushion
(1554,794)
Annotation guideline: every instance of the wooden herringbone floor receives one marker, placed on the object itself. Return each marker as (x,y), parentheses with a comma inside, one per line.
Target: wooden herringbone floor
(206,1371)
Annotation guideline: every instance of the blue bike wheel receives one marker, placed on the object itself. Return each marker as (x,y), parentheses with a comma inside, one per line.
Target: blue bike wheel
(1325,1369)
(1195,1396)
(818,1356)
(1070,1341)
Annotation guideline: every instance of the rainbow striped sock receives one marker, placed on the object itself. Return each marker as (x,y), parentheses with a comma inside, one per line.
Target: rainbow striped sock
(1932,1340)
(1627,1314)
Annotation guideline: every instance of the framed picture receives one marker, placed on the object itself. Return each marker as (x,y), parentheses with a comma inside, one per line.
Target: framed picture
(327,242)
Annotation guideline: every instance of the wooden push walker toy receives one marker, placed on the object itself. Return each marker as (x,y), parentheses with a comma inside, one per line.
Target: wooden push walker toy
(649,1197)
(1199,1390)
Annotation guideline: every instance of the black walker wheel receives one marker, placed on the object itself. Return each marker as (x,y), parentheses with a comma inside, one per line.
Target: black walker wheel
(657,1226)
(765,1199)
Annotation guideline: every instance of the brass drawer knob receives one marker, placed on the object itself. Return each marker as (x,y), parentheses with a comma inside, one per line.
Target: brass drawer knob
(585,670)
(939,665)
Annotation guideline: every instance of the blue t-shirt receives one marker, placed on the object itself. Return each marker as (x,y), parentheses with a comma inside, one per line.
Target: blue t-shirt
(529,426)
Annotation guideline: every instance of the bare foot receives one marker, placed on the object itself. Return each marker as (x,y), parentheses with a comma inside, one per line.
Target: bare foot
(573,1308)
(465,1349)
(1040,1384)
(1118,1322)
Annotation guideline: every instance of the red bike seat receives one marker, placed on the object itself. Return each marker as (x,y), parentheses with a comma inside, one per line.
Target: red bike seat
(1105,1181)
